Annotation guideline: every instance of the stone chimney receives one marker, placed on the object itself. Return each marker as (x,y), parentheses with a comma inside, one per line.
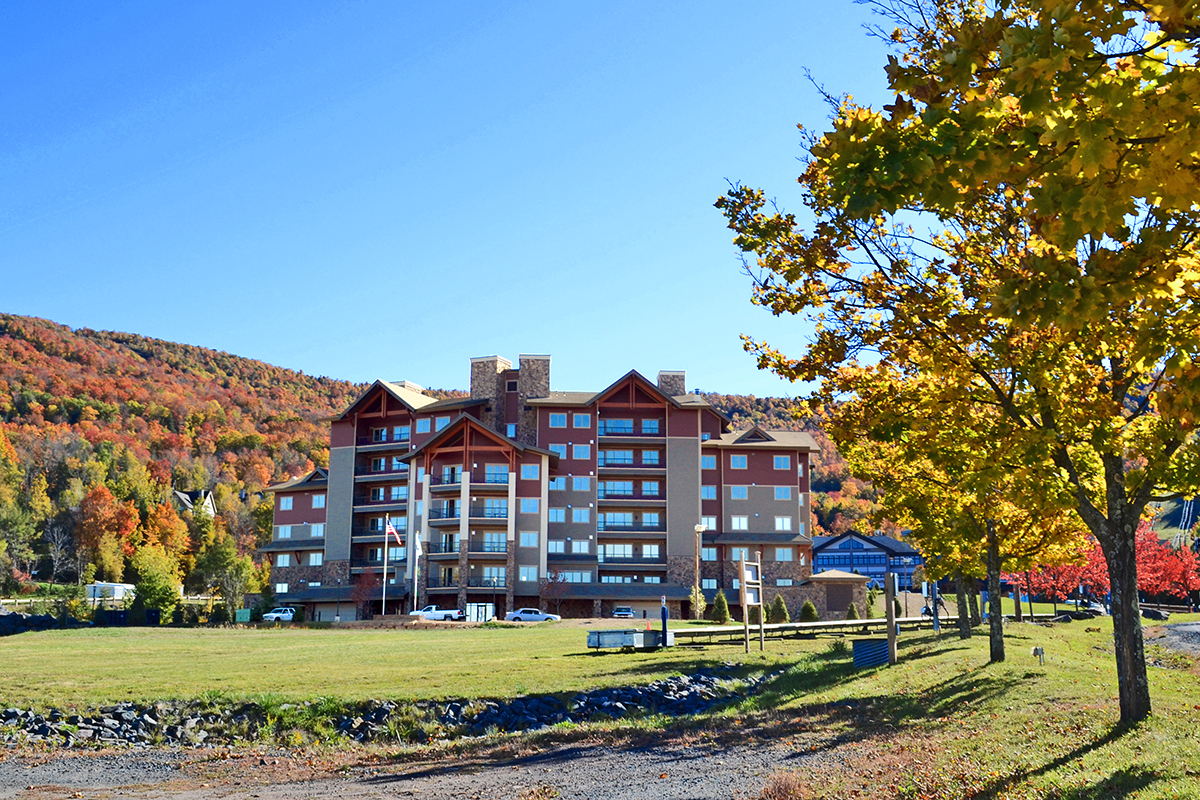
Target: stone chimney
(672,382)
(487,383)
(534,381)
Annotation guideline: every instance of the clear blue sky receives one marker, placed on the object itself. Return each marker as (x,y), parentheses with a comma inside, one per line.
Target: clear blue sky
(383,190)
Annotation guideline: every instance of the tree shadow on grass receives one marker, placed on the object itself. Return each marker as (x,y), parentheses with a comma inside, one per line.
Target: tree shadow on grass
(1122,783)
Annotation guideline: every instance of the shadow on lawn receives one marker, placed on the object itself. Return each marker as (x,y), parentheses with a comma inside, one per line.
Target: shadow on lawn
(1122,783)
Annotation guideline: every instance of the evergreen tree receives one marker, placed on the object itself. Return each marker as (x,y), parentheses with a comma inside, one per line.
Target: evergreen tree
(720,612)
(808,612)
(852,612)
(779,611)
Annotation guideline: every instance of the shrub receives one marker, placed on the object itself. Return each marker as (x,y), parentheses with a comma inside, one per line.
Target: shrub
(852,612)
(752,614)
(808,612)
(899,610)
(872,597)
(720,612)
(779,611)
(698,603)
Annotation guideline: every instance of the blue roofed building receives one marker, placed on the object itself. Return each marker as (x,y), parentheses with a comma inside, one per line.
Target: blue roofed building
(871,556)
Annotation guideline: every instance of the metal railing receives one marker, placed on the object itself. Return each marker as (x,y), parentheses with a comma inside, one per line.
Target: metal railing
(487,583)
(601,525)
(451,511)
(603,494)
(487,547)
(441,548)
(490,512)
(603,559)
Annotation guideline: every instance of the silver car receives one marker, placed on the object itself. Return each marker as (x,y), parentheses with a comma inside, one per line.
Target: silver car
(531,615)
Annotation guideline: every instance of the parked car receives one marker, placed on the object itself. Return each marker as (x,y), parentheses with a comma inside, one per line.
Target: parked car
(442,614)
(623,612)
(283,614)
(531,615)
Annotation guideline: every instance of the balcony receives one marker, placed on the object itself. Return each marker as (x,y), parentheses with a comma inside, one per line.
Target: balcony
(438,583)
(363,472)
(450,511)
(359,531)
(623,527)
(387,439)
(487,583)
(653,561)
(489,512)
(631,496)
(580,557)
(384,500)
(629,432)
(359,563)
(441,548)
(487,547)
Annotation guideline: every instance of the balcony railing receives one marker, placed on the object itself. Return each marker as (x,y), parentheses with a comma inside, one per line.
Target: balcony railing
(625,430)
(438,583)
(455,479)
(601,525)
(490,512)
(376,562)
(386,500)
(487,547)
(614,461)
(571,556)
(605,494)
(441,548)
(445,512)
(652,560)
(362,441)
(487,583)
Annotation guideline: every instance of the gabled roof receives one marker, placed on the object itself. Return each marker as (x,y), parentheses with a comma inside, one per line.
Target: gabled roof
(464,420)
(836,576)
(770,439)
(745,537)
(315,479)
(557,398)
(450,403)
(887,543)
(413,399)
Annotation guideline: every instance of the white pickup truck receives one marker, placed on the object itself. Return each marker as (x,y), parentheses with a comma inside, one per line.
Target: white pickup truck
(442,614)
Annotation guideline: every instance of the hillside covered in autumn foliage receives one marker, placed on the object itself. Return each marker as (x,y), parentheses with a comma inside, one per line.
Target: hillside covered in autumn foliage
(99,429)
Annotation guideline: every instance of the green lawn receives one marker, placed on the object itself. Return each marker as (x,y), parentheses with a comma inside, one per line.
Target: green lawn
(943,724)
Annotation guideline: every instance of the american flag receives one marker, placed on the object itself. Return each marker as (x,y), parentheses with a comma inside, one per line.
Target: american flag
(391,529)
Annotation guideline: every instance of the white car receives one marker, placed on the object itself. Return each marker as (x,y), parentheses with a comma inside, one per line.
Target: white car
(279,615)
(531,615)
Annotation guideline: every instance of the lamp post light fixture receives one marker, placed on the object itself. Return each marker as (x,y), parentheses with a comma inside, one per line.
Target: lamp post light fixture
(700,529)
(337,615)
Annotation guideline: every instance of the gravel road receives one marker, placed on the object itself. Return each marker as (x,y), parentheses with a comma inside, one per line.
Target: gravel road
(672,771)
(1184,637)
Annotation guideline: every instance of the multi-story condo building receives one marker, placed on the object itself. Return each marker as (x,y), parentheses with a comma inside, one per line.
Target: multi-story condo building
(523,496)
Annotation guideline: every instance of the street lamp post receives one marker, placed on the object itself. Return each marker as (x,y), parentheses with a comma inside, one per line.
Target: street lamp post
(337,615)
(700,529)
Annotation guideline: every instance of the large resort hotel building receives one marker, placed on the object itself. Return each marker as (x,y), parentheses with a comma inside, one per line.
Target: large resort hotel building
(522,496)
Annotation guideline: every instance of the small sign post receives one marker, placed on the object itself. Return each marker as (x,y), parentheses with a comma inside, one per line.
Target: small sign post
(751,594)
(664,620)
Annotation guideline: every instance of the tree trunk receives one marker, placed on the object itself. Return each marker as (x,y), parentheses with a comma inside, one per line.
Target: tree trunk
(964,618)
(1029,594)
(976,618)
(1132,682)
(995,614)
(1018,615)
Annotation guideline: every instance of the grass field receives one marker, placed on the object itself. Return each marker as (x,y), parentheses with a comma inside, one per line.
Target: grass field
(942,724)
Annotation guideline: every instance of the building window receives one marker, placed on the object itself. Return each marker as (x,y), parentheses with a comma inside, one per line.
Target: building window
(783,493)
(615,427)
(736,584)
(529,472)
(581,420)
(649,551)
(398,465)
(616,579)
(396,554)
(708,554)
(375,524)
(739,553)
(399,493)
(783,582)
(495,473)
(783,462)
(739,524)
(800,469)
(281,588)
(285,504)
(558,420)
(610,552)
(285,532)
(704,437)
(649,488)
(377,494)
(318,530)
(650,427)
(527,574)
(283,560)
(580,546)
(510,430)
(557,515)
(401,433)
(316,559)
(708,583)
(581,484)
(650,520)
(783,523)
(318,501)
(495,576)
(708,493)
(737,462)
(577,577)
(783,554)
(616,458)
(558,483)
(650,457)
(556,546)
(708,462)
(423,425)
(378,464)
(581,515)
(559,450)
(709,522)
(442,422)
(581,452)
(510,386)
(378,434)
(529,505)
(529,538)
(738,493)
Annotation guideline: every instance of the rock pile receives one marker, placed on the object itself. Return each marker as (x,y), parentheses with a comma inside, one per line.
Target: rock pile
(183,724)
(12,622)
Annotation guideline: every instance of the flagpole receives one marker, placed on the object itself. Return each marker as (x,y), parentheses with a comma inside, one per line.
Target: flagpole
(387,523)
